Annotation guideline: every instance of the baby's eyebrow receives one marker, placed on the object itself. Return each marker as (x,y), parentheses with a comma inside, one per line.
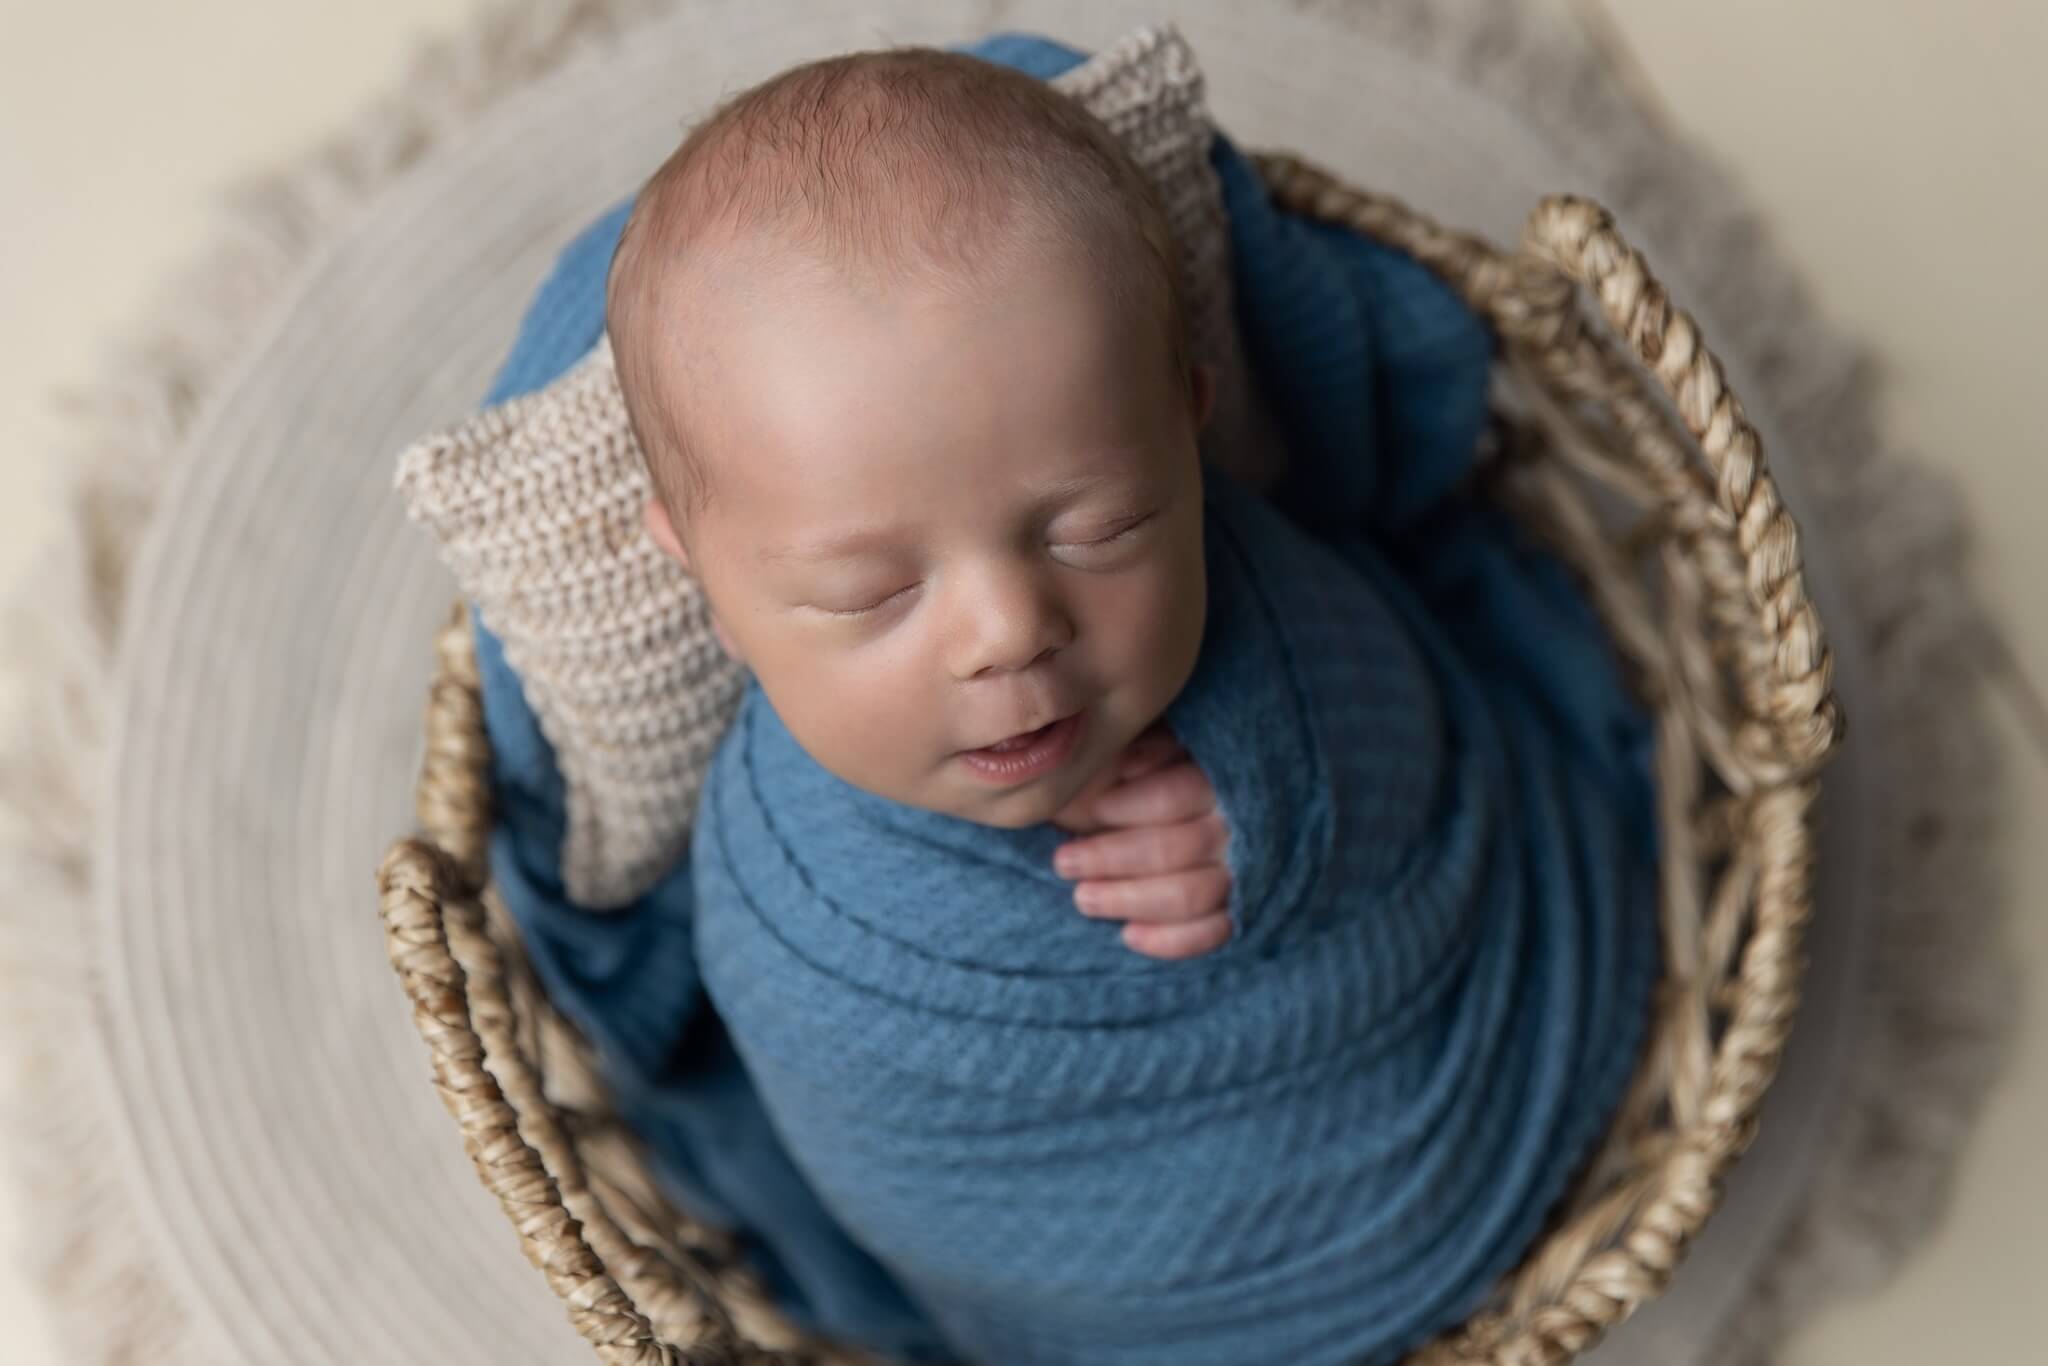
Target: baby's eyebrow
(839,547)
(846,544)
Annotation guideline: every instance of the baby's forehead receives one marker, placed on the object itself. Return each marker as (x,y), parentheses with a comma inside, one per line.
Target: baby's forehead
(770,289)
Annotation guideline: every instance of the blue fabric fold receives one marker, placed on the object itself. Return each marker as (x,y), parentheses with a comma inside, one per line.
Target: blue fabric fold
(1377,374)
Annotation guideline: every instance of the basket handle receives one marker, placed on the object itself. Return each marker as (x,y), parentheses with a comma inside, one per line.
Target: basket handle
(416,884)
(1792,668)
(1746,541)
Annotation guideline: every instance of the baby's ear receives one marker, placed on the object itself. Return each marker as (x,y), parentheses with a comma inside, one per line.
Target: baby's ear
(663,529)
(1202,392)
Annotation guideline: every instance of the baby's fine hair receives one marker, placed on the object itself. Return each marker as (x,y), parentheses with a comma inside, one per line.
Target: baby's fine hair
(888,164)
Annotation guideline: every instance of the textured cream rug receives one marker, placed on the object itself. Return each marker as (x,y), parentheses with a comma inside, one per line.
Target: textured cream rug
(234,1153)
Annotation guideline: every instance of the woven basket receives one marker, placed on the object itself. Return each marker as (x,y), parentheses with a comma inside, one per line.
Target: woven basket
(1693,565)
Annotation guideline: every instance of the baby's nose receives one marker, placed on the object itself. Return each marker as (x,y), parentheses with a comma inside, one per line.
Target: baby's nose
(1023,661)
(1014,629)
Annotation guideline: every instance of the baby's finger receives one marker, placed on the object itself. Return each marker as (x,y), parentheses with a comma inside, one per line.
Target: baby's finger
(1078,816)
(1145,849)
(1187,940)
(1154,749)
(1168,897)
(1174,793)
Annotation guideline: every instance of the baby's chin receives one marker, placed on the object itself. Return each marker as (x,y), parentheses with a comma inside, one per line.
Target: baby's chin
(1019,813)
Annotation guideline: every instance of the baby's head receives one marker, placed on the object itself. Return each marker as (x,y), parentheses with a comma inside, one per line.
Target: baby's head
(902,337)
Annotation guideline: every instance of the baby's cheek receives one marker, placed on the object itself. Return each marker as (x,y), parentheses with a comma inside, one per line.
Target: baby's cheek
(849,723)
(1160,622)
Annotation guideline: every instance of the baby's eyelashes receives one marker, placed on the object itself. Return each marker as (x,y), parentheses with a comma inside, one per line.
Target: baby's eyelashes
(877,605)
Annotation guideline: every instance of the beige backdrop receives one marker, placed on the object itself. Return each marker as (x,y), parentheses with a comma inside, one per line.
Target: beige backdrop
(1897,147)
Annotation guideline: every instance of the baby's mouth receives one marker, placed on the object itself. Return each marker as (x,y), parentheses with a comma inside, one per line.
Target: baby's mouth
(1016,742)
(1022,740)
(1019,758)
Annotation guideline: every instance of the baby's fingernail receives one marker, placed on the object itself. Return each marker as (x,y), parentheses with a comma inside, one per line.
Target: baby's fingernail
(1066,863)
(1088,899)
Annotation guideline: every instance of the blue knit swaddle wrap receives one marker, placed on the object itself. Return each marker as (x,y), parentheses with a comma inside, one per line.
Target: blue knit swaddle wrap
(1314,1144)
(1481,751)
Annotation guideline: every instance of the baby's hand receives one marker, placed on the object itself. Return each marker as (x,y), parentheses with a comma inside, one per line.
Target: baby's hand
(1164,871)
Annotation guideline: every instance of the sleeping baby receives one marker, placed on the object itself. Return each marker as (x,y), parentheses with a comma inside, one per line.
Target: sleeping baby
(928,441)
(1151,929)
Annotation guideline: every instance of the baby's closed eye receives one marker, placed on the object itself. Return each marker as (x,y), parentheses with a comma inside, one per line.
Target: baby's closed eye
(1129,530)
